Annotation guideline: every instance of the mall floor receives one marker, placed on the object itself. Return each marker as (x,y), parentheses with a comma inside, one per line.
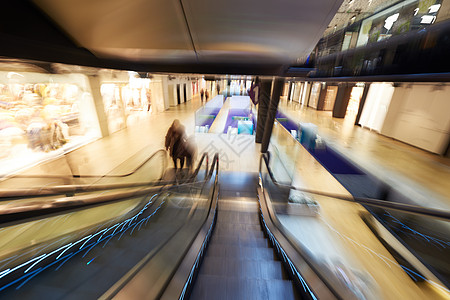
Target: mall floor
(390,160)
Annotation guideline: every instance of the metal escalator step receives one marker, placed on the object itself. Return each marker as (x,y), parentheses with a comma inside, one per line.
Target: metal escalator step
(229,193)
(239,252)
(239,229)
(241,234)
(241,268)
(219,287)
(239,240)
(281,289)
(235,217)
(209,287)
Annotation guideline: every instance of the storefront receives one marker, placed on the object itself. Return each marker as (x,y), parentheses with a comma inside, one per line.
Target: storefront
(42,114)
(315,93)
(127,98)
(353,102)
(330,98)
(376,105)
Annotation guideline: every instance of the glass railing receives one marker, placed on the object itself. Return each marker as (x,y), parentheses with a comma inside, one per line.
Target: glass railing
(368,248)
(66,170)
(68,243)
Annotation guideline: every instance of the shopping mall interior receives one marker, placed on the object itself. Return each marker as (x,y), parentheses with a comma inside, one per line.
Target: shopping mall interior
(225,150)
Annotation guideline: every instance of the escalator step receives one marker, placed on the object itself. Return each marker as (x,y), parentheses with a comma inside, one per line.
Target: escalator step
(218,287)
(239,229)
(239,252)
(241,268)
(234,217)
(238,240)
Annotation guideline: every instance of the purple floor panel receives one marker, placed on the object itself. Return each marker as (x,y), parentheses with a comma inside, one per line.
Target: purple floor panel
(206,116)
(233,121)
(286,122)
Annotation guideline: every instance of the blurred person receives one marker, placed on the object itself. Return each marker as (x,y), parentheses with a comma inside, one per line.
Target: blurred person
(179,146)
(206,95)
(149,100)
(201,94)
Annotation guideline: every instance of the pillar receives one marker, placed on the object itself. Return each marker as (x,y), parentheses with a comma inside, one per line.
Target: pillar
(273,106)
(289,92)
(342,98)
(361,102)
(94,82)
(263,106)
(306,93)
(322,96)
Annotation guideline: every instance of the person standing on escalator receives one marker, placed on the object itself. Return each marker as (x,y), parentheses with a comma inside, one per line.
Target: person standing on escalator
(174,138)
(180,147)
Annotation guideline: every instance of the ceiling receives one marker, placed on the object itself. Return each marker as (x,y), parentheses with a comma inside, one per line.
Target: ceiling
(196,33)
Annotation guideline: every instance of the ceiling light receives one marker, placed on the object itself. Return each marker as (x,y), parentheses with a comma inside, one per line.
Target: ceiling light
(427,19)
(390,21)
(434,8)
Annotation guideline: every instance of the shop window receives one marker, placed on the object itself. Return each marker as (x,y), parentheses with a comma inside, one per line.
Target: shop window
(40,114)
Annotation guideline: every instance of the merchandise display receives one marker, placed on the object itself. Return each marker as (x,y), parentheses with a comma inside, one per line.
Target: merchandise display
(126,102)
(40,113)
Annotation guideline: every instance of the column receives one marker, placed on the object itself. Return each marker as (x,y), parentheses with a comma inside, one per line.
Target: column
(94,82)
(263,106)
(361,102)
(342,98)
(306,93)
(165,88)
(322,95)
(273,106)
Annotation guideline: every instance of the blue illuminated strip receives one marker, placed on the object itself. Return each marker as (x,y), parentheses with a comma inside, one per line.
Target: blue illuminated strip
(89,243)
(409,230)
(286,259)
(199,257)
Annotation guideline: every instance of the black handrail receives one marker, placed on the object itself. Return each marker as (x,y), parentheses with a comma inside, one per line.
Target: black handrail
(180,284)
(174,285)
(414,209)
(82,188)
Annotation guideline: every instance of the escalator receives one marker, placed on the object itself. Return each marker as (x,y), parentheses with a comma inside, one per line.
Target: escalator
(239,262)
(76,251)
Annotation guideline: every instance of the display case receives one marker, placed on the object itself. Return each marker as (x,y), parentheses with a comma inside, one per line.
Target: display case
(41,113)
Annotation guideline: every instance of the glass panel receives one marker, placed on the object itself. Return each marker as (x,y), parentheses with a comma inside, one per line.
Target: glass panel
(42,115)
(374,253)
(105,241)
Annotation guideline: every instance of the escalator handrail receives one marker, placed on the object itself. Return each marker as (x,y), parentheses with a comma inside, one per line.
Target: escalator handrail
(20,212)
(82,188)
(298,257)
(407,208)
(181,282)
(91,176)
